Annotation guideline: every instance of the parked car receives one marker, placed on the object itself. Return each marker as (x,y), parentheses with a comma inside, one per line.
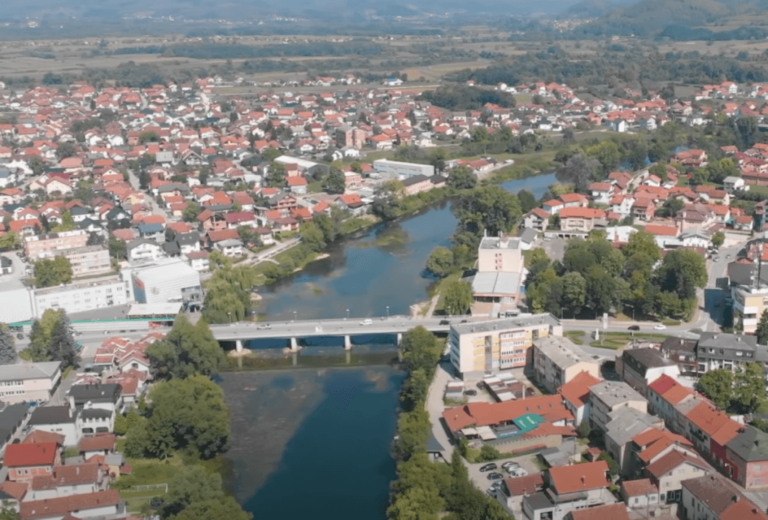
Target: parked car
(509,464)
(634,327)
(366,322)
(495,476)
(659,326)
(488,467)
(470,393)
(445,322)
(518,472)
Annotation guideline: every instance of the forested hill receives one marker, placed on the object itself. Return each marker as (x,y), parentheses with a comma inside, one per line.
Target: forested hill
(662,18)
(619,64)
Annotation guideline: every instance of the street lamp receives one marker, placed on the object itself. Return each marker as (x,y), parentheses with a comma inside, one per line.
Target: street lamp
(347,314)
(387,311)
(230,317)
(294,315)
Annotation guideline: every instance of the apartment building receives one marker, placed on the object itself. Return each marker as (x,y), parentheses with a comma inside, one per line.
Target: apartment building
(718,350)
(81,297)
(47,246)
(29,382)
(712,497)
(557,360)
(88,260)
(639,367)
(496,285)
(486,347)
(608,396)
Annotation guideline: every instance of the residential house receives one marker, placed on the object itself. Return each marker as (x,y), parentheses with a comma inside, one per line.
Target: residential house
(606,512)
(681,351)
(669,471)
(516,489)
(72,479)
(56,419)
(102,504)
(711,496)
(625,423)
(417,184)
(719,350)
(570,488)
(747,456)
(536,219)
(143,250)
(601,192)
(579,219)
(25,461)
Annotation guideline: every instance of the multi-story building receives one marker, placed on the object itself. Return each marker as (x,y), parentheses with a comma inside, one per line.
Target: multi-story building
(27,461)
(496,285)
(165,281)
(81,297)
(347,136)
(718,350)
(483,347)
(749,303)
(88,260)
(50,245)
(578,219)
(557,360)
(639,367)
(747,454)
(26,382)
(607,396)
(712,497)
(683,352)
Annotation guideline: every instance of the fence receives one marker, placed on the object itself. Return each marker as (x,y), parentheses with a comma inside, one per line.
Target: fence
(150,487)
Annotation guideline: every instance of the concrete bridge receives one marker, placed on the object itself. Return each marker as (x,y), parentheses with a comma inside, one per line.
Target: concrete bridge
(346,328)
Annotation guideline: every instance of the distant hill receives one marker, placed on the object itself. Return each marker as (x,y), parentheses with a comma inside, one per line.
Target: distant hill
(255,9)
(595,8)
(653,17)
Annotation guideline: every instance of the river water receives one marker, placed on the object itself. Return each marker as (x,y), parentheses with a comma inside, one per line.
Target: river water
(316,442)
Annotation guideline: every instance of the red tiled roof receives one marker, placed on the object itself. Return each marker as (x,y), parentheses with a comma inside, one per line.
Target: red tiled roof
(707,418)
(38,454)
(61,506)
(16,489)
(672,460)
(743,510)
(69,475)
(97,443)
(607,512)
(550,407)
(526,485)
(579,477)
(40,436)
(643,486)
(223,234)
(576,391)
(579,212)
(669,231)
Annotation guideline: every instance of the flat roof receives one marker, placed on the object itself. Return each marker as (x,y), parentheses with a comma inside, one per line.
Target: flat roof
(22,371)
(496,283)
(500,243)
(562,351)
(506,323)
(144,309)
(82,285)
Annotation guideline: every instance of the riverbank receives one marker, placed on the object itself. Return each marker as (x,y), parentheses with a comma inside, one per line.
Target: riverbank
(526,166)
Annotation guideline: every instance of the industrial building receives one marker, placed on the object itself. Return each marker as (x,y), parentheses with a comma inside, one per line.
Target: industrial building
(396,169)
(168,280)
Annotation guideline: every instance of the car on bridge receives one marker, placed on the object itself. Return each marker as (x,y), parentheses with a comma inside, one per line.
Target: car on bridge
(366,322)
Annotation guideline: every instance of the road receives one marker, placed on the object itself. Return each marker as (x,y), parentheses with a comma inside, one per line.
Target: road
(273,251)
(335,327)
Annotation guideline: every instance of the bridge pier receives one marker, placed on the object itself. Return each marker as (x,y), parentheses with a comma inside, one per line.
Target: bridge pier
(239,346)
(295,358)
(347,342)
(349,357)
(399,338)
(294,345)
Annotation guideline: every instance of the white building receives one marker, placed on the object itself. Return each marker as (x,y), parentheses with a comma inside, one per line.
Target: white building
(29,382)
(82,297)
(167,280)
(56,419)
(402,169)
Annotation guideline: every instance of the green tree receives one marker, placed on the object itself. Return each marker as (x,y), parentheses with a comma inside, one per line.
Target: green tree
(276,175)
(412,433)
(326,226)
(718,386)
(603,290)
(335,182)
(62,344)
(489,208)
(270,154)
(186,414)
(191,495)
(607,153)
(148,136)
(64,150)
(613,466)
(462,178)
(67,223)
(440,262)
(117,248)
(415,388)
(527,201)
(191,212)
(574,292)
(750,387)
(312,236)
(580,171)
(488,453)
(9,240)
(681,272)
(420,349)
(50,272)
(642,242)
(8,354)
(718,238)
(185,351)
(762,328)
(458,297)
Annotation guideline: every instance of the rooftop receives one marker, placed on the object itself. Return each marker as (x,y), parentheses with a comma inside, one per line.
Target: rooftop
(750,444)
(714,491)
(579,477)
(25,371)
(499,243)
(496,283)
(505,324)
(615,393)
(562,351)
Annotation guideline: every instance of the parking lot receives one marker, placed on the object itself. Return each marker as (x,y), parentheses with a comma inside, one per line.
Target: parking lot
(480,478)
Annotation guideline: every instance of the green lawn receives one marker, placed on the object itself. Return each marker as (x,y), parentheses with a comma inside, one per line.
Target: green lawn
(439,288)
(616,340)
(577,336)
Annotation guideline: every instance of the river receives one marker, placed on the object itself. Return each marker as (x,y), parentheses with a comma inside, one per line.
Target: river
(316,442)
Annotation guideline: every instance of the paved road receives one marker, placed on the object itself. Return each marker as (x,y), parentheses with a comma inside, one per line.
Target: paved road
(273,251)
(336,327)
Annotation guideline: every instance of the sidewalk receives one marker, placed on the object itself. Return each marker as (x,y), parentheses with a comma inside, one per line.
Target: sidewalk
(435,407)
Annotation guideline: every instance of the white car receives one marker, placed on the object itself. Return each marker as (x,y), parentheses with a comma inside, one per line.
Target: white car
(659,326)
(366,322)
(518,472)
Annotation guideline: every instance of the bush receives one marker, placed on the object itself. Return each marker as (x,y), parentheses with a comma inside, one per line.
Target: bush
(488,453)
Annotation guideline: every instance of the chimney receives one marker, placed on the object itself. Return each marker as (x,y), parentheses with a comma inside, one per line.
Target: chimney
(582,480)
(735,498)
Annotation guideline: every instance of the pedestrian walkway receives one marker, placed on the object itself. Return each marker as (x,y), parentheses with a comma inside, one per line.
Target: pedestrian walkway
(435,406)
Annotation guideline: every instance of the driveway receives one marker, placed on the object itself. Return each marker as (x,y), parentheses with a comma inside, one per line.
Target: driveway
(435,406)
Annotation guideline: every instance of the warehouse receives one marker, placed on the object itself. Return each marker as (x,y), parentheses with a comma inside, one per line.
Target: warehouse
(402,169)
(168,280)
